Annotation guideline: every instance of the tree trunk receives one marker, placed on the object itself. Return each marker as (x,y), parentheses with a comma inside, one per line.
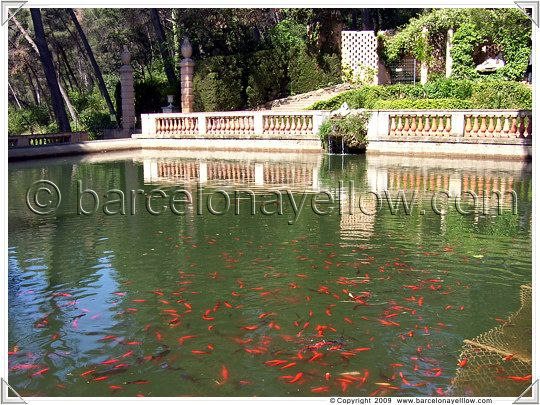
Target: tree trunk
(50,73)
(15,96)
(367,19)
(63,92)
(162,44)
(90,54)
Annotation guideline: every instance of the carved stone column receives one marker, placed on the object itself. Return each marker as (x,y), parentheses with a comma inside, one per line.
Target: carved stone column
(424,65)
(127,92)
(449,38)
(186,77)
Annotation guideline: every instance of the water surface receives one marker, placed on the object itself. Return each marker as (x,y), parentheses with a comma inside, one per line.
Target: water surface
(240,305)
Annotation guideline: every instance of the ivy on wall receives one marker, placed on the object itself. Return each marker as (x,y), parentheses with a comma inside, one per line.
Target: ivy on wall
(507,27)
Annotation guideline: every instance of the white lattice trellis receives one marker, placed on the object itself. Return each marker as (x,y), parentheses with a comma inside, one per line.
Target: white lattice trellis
(358,52)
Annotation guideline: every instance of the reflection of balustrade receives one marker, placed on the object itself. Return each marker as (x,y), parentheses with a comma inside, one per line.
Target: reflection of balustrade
(300,176)
(498,125)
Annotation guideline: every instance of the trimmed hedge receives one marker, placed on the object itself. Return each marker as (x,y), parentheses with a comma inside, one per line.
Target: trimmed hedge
(217,84)
(423,104)
(306,73)
(477,94)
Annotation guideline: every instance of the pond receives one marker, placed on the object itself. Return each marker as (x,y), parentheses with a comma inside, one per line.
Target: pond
(300,304)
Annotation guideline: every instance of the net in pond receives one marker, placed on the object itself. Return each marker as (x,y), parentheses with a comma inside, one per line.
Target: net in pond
(490,360)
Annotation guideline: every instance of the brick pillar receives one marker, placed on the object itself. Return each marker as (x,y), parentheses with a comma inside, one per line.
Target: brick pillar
(127,92)
(186,77)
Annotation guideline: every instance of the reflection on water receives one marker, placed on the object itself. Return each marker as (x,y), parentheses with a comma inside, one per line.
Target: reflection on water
(247,305)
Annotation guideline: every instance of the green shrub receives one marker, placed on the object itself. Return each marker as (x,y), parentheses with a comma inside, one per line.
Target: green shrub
(449,88)
(501,94)
(95,122)
(28,120)
(307,73)
(423,104)
(266,77)
(439,94)
(217,84)
(353,128)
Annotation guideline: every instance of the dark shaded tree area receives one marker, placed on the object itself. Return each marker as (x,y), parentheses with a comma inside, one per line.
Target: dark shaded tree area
(254,54)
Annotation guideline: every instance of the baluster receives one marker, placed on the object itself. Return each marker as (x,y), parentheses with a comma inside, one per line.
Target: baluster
(406,126)
(392,125)
(427,125)
(529,125)
(521,125)
(476,126)
(158,126)
(506,125)
(440,128)
(310,124)
(287,124)
(413,125)
(281,123)
(420,125)
(304,123)
(434,124)
(514,127)
(483,127)
(498,127)
(448,127)
(266,126)
(272,126)
(400,125)
(227,124)
(468,125)
(491,126)
(250,124)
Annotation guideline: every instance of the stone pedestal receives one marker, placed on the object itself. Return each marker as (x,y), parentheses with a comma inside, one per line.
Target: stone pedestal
(186,77)
(127,92)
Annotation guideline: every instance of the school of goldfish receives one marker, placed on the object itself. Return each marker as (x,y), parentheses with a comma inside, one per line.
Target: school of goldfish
(230,334)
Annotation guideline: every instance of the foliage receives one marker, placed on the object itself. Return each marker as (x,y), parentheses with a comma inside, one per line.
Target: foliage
(353,129)
(217,84)
(501,94)
(306,73)
(266,77)
(476,94)
(508,28)
(30,120)
(423,104)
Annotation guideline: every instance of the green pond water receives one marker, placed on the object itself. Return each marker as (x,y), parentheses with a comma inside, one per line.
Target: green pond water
(242,305)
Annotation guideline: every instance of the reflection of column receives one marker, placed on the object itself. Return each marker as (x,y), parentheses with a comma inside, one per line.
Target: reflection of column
(150,170)
(377,178)
(315,178)
(259,174)
(455,185)
(203,172)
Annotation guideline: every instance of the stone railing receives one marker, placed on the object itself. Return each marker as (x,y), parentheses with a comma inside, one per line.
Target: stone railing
(236,124)
(437,125)
(22,141)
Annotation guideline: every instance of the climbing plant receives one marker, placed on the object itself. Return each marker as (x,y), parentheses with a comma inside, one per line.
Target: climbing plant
(508,28)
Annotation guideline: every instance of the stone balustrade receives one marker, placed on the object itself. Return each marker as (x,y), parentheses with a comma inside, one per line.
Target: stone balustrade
(241,124)
(21,141)
(498,125)
(453,125)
